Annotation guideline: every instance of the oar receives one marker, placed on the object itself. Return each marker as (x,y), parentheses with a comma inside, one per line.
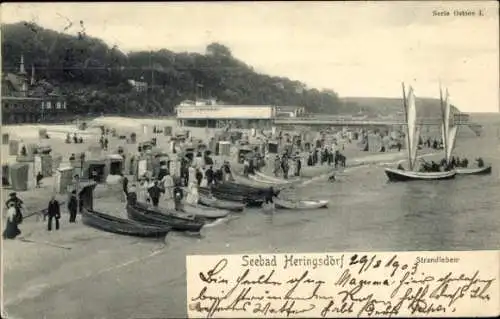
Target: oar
(45,243)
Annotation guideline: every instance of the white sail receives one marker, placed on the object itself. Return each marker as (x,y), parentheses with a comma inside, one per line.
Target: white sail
(452,136)
(414,146)
(411,118)
(444,139)
(450,130)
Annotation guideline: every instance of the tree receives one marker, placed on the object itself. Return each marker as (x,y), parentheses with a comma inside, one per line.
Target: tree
(218,50)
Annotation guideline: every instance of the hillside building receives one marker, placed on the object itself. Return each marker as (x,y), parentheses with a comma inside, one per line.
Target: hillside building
(26,100)
(138,86)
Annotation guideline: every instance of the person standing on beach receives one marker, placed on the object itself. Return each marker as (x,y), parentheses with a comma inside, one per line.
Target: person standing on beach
(54,212)
(18,203)
(199,176)
(11,228)
(155,192)
(298,166)
(168,186)
(39,178)
(124,185)
(209,173)
(277,165)
(73,207)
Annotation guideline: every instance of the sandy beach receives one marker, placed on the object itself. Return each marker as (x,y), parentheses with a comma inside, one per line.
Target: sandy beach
(41,261)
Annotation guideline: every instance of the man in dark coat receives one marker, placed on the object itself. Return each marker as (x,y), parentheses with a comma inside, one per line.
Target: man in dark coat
(73,207)
(209,173)
(199,176)
(124,185)
(155,193)
(132,196)
(54,212)
(39,178)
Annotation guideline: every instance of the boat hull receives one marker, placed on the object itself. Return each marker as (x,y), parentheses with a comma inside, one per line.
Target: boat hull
(121,226)
(145,215)
(211,201)
(266,178)
(226,195)
(396,175)
(474,171)
(300,205)
(204,212)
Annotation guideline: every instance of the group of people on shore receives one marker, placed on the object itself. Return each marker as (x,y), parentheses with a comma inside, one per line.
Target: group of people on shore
(326,155)
(282,165)
(444,165)
(15,208)
(164,186)
(76,139)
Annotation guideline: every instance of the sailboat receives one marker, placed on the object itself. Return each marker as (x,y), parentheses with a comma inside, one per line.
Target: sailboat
(412,135)
(450,131)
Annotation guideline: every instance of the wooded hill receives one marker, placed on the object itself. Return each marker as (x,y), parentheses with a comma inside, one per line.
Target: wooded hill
(94,76)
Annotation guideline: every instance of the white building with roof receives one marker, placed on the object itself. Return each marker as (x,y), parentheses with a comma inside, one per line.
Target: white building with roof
(211,113)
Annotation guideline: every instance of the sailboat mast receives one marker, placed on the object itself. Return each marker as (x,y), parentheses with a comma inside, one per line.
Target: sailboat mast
(405,109)
(443,116)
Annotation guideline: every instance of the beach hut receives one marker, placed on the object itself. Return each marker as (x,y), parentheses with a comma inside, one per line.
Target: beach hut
(244,152)
(167,131)
(114,164)
(46,165)
(14,147)
(272,147)
(19,175)
(5,174)
(97,165)
(30,161)
(63,178)
(224,148)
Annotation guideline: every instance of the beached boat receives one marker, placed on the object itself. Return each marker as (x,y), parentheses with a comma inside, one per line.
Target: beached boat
(413,134)
(229,195)
(142,213)
(397,175)
(122,226)
(204,212)
(300,204)
(253,184)
(211,201)
(474,170)
(263,177)
(450,133)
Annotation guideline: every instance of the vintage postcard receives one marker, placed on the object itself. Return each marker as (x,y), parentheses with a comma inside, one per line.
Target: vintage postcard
(250,160)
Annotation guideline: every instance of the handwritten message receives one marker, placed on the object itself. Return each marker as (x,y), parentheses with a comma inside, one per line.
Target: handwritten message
(325,285)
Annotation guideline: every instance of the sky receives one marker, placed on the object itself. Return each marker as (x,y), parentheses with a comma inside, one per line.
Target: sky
(354,48)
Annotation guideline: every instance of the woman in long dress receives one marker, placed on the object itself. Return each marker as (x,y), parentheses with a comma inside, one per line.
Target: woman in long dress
(11,229)
(142,192)
(168,185)
(204,181)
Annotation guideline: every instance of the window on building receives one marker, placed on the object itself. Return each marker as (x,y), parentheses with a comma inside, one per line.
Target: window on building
(48,105)
(64,105)
(43,105)
(58,105)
